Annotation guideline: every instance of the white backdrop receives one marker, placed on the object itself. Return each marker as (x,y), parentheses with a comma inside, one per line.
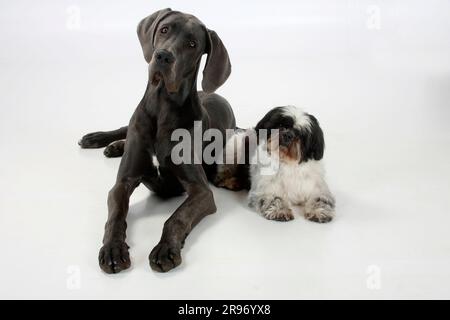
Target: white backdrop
(375,73)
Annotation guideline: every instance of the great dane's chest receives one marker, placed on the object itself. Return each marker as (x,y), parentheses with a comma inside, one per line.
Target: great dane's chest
(153,129)
(157,128)
(164,137)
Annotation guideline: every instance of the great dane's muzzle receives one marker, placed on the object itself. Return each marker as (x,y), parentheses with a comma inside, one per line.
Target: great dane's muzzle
(162,69)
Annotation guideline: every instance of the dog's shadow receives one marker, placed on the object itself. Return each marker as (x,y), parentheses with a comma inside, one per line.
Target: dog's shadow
(156,207)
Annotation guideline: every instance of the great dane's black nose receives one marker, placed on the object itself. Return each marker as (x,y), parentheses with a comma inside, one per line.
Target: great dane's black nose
(164,57)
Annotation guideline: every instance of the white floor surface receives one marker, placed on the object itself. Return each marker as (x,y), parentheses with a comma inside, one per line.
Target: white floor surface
(375,73)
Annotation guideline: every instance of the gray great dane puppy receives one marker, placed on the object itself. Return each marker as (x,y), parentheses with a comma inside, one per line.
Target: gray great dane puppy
(173,44)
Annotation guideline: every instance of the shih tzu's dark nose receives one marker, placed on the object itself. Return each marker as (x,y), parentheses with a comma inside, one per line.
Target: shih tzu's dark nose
(286,137)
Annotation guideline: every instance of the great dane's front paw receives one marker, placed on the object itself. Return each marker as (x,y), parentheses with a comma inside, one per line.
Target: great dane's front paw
(164,257)
(114,257)
(95,140)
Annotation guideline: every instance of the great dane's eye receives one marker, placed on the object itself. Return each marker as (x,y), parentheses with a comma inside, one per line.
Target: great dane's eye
(164,29)
(192,44)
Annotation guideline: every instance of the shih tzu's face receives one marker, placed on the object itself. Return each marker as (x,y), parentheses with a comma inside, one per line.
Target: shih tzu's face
(285,144)
(299,137)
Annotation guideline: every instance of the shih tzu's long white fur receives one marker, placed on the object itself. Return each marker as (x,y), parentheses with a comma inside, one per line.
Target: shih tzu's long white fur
(276,189)
(296,175)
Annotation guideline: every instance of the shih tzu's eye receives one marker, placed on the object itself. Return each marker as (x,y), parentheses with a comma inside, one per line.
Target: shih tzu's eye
(192,44)
(164,29)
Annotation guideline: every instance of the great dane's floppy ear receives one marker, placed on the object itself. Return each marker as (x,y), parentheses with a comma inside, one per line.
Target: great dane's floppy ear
(218,66)
(146,31)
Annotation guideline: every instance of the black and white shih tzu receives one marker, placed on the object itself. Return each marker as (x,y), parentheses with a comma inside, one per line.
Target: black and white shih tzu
(284,169)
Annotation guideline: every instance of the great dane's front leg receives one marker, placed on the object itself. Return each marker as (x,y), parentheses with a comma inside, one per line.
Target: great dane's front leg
(114,256)
(200,203)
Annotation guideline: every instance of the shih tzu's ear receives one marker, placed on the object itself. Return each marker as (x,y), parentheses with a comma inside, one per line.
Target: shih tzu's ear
(218,65)
(271,120)
(146,31)
(274,119)
(312,140)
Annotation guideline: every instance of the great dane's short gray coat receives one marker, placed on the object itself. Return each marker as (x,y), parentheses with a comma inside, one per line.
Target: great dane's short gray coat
(173,44)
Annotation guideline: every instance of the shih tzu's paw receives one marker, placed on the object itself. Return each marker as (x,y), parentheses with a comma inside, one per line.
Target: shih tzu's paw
(273,208)
(320,210)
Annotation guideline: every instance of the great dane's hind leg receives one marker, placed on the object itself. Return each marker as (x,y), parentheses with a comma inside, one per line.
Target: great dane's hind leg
(200,203)
(101,139)
(114,149)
